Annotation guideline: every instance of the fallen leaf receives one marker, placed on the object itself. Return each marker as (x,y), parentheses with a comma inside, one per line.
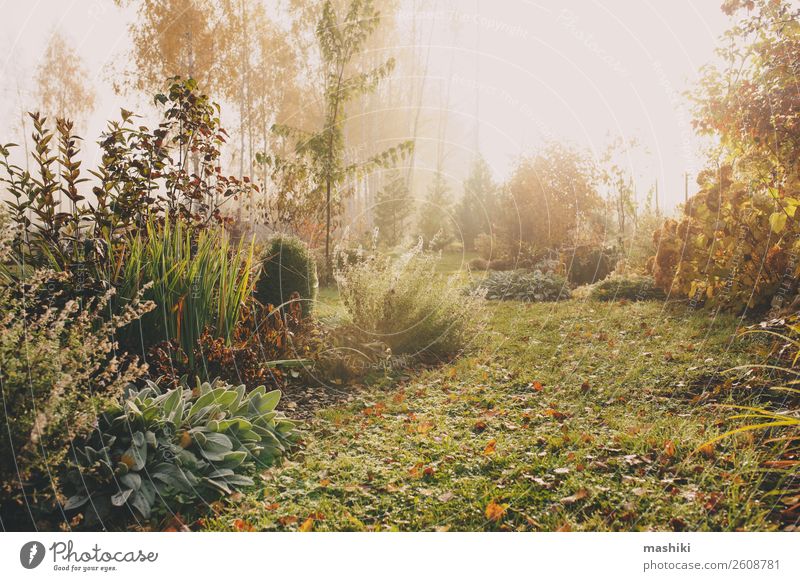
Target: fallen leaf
(490,447)
(494,511)
(669,449)
(307,526)
(565,528)
(572,499)
(241,525)
(446,496)
(555,414)
(707,450)
(537,386)
(324,482)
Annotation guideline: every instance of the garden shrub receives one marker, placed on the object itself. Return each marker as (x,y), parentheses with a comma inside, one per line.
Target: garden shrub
(523,285)
(287,267)
(159,450)
(501,264)
(123,193)
(632,287)
(479,264)
(586,264)
(403,303)
(58,365)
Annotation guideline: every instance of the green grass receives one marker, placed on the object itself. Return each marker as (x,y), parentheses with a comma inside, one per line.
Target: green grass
(327,307)
(453,262)
(609,443)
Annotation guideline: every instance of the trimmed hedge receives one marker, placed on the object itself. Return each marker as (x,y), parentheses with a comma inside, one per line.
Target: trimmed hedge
(287,267)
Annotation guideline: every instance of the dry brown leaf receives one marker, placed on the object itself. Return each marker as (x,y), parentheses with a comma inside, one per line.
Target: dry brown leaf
(491,447)
(572,499)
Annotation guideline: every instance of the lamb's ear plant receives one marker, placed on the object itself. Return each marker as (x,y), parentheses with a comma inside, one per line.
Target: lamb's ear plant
(162,450)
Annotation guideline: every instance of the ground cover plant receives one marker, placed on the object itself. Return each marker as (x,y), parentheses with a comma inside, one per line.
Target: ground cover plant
(158,451)
(522,285)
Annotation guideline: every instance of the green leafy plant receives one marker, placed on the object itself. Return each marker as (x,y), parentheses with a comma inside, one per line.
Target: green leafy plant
(523,285)
(632,287)
(198,280)
(287,268)
(170,448)
(172,170)
(403,303)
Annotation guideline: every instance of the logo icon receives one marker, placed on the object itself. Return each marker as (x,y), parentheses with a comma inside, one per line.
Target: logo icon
(31,554)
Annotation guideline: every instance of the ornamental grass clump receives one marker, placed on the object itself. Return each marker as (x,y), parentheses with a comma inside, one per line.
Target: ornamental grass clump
(198,280)
(403,303)
(631,287)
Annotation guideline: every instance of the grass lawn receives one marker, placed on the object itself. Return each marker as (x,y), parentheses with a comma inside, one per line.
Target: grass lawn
(568,416)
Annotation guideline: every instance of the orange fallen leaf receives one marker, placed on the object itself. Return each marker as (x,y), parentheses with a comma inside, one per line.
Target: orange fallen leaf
(479,426)
(707,450)
(537,386)
(491,447)
(553,413)
(241,525)
(287,520)
(307,526)
(565,528)
(669,449)
(324,482)
(494,511)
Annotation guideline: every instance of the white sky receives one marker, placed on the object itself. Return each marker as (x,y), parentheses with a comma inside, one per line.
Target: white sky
(584,71)
(575,70)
